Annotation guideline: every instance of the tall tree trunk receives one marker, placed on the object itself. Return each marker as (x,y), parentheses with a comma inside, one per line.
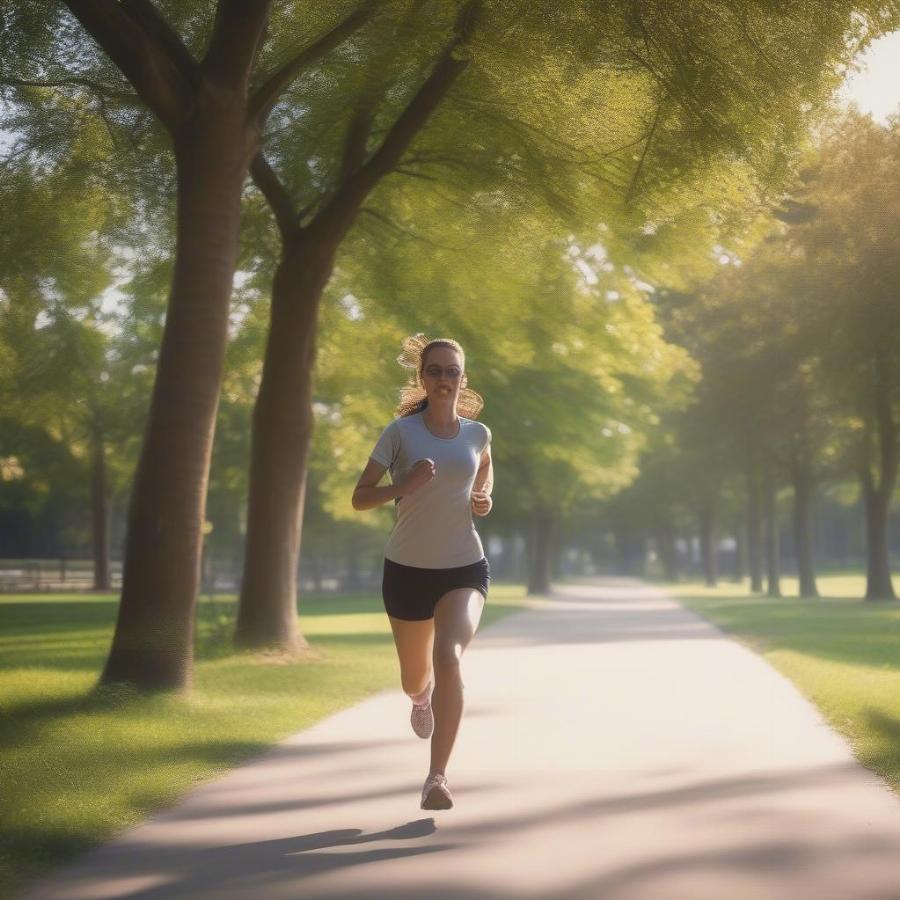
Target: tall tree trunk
(706,522)
(541,546)
(770,516)
(153,642)
(282,431)
(215,121)
(879,585)
(754,527)
(99,512)
(878,493)
(803,496)
(740,549)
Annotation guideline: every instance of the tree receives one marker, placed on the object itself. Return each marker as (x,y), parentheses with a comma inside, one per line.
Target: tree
(213,110)
(56,258)
(682,110)
(851,244)
(282,419)
(569,360)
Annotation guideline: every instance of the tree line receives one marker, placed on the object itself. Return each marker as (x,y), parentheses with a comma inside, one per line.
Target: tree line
(513,172)
(796,336)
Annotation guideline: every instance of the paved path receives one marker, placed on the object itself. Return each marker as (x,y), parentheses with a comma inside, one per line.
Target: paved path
(615,747)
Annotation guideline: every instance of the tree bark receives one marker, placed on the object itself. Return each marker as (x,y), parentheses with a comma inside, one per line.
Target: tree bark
(541,547)
(282,431)
(770,515)
(803,543)
(740,549)
(706,521)
(877,494)
(99,513)
(879,585)
(153,642)
(754,528)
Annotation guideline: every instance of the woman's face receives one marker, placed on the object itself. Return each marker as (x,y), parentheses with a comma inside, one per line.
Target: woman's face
(442,375)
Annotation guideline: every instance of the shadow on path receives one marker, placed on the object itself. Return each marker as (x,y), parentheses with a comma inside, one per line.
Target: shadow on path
(255,864)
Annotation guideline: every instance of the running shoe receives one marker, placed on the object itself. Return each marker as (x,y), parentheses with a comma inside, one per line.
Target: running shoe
(422,719)
(436,794)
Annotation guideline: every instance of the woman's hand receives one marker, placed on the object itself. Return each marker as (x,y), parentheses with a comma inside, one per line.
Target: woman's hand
(419,475)
(481,503)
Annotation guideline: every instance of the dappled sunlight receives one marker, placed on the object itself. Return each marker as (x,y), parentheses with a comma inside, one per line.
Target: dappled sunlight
(658,431)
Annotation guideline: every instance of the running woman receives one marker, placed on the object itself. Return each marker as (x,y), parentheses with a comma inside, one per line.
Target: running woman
(435,573)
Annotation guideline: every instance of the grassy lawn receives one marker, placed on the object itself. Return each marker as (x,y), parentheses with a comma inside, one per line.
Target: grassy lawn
(842,653)
(77,767)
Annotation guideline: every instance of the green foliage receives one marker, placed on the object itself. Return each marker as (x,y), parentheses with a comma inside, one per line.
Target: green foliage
(795,336)
(635,137)
(571,363)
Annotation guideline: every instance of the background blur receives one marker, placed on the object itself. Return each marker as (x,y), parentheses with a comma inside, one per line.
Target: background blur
(716,391)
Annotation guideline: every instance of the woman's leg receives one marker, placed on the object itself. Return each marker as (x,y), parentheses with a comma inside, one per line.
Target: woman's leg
(456,618)
(414,642)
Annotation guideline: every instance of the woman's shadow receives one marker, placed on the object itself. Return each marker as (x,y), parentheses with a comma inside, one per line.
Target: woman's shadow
(254,866)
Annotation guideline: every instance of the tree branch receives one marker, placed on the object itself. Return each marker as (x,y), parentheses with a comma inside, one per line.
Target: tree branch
(237,33)
(339,212)
(441,159)
(413,174)
(101,90)
(140,55)
(277,196)
(355,143)
(272,87)
(147,16)
(515,126)
(632,187)
(405,231)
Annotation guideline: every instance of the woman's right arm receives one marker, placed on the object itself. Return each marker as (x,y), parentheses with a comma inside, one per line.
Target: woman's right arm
(367,494)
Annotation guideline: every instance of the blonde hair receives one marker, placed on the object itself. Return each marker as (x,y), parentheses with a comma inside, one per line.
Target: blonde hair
(412,395)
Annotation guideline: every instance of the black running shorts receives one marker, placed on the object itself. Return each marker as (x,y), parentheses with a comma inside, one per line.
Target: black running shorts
(412,593)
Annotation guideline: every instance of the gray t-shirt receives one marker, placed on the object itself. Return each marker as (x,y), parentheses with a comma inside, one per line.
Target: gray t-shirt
(434,528)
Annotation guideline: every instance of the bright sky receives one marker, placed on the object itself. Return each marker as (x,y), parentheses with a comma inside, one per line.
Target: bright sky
(876,88)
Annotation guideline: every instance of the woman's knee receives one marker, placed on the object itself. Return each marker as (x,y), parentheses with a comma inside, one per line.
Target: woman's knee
(414,683)
(447,658)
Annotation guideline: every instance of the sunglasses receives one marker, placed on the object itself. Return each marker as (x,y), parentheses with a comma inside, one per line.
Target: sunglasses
(450,372)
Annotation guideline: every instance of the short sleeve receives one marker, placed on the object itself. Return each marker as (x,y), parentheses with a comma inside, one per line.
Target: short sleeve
(487,438)
(387,447)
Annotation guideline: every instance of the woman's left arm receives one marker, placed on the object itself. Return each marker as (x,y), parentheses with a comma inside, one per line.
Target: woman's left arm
(484,484)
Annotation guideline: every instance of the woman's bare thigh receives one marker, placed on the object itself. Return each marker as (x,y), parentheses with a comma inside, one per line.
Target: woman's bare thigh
(415,643)
(456,619)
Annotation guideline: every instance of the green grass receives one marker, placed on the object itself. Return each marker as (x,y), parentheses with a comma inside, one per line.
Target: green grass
(76,767)
(841,652)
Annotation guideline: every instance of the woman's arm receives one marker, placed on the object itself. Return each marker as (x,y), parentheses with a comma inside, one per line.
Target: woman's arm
(367,494)
(484,484)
